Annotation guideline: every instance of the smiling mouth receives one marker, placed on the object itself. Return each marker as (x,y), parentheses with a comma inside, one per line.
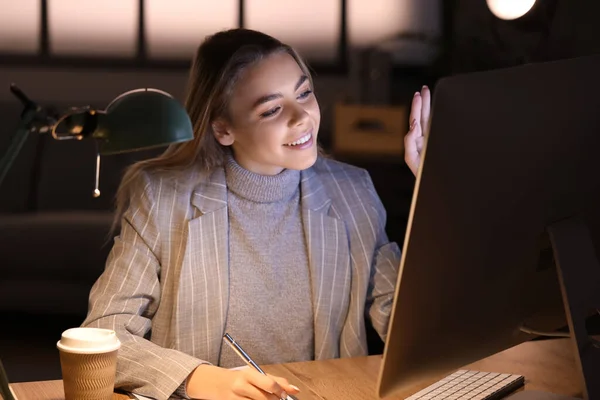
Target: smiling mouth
(300,141)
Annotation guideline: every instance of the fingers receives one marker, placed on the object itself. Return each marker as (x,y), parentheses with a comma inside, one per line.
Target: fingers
(420,109)
(415,109)
(252,392)
(289,388)
(425,109)
(269,385)
(412,147)
(410,144)
(419,118)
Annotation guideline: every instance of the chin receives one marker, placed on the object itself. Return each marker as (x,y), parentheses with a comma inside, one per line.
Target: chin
(305,163)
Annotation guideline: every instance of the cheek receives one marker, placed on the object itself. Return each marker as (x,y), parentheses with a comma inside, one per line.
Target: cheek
(313,109)
(270,132)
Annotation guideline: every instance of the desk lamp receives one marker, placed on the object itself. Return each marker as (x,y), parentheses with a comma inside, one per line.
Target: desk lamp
(135,120)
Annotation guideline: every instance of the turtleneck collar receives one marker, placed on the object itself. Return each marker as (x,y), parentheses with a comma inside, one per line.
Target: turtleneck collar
(260,188)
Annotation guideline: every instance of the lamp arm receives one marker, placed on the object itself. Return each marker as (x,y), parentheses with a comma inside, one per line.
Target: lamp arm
(16,144)
(34,119)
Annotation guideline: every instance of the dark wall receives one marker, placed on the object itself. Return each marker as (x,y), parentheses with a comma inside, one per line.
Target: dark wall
(553,29)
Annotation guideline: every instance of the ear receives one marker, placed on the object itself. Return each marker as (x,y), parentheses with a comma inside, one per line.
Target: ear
(222,132)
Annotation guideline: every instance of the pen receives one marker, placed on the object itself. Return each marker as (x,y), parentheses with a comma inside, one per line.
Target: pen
(247,359)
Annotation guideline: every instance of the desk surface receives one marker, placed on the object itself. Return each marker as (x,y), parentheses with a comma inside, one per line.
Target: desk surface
(547,365)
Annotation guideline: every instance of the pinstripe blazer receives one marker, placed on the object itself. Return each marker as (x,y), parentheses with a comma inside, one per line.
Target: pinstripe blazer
(165,286)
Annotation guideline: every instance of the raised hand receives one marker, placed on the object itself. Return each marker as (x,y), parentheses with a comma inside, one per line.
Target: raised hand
(419,123)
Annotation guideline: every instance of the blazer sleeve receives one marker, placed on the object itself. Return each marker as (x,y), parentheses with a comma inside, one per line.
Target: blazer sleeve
(384,267)
(126,297)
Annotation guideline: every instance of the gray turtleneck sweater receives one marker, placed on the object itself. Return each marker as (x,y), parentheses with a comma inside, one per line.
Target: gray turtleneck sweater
(270,310)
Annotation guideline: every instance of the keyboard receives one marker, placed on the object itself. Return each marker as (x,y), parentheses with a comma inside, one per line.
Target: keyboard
(472,385)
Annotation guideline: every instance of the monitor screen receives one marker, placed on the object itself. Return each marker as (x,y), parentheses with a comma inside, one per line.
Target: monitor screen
(511,155)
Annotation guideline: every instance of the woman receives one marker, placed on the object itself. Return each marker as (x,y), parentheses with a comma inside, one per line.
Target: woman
(246,229)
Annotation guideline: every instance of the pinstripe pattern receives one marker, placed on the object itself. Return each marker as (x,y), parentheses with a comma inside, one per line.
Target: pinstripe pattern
(166,284)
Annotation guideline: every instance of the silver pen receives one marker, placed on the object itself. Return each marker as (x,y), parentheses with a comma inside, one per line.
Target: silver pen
(247,359)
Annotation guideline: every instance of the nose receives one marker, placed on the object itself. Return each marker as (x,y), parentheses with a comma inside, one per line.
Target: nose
(298,117)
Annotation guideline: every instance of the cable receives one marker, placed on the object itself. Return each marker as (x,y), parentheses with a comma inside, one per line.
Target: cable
(530,331)
(541,333)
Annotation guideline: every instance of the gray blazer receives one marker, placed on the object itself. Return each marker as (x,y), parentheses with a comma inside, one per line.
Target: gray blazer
(165,286)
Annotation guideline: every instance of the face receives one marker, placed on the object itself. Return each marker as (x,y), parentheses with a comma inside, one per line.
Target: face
(274,118)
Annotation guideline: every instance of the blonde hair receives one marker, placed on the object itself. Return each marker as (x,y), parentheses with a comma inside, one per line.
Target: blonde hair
(218,64)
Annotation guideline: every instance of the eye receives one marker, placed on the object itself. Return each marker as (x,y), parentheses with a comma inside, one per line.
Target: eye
(271,112)
(305,94)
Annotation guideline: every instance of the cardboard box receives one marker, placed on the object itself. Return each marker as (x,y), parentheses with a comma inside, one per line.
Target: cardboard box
(369,130)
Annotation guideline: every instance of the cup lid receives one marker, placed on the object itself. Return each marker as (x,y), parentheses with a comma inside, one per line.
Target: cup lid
(88,340)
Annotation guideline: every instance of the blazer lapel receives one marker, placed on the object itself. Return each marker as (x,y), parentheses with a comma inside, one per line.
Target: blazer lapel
(204,286)
(329,265)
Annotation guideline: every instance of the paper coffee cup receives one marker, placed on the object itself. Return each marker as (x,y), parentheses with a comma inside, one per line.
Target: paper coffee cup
(88,359)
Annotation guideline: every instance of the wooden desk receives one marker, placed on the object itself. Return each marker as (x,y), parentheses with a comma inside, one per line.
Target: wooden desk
(547,366)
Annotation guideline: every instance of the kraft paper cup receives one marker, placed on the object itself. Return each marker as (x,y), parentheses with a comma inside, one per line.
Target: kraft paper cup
(88,359)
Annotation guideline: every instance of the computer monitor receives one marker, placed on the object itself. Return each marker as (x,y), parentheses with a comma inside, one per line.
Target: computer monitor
(509,184)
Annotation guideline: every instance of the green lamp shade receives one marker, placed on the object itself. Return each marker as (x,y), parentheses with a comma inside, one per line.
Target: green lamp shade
(142,119)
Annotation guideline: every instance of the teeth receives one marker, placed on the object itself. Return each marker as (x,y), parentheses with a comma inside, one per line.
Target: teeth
(303,139)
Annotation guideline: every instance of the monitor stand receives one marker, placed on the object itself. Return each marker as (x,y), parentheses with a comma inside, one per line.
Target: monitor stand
(579,276)
(5,390)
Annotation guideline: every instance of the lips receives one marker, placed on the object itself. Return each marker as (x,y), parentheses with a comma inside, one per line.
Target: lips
(301,140)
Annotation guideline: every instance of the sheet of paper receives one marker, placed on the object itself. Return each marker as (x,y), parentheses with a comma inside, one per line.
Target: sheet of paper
(140,397)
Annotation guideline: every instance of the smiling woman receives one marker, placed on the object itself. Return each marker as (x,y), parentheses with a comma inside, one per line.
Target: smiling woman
(246,229)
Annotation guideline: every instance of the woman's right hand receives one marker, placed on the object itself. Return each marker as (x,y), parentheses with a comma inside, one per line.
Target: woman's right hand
(215,383)
(419,123)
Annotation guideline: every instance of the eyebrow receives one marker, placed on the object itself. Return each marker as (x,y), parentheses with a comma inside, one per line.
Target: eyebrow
(269,97)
